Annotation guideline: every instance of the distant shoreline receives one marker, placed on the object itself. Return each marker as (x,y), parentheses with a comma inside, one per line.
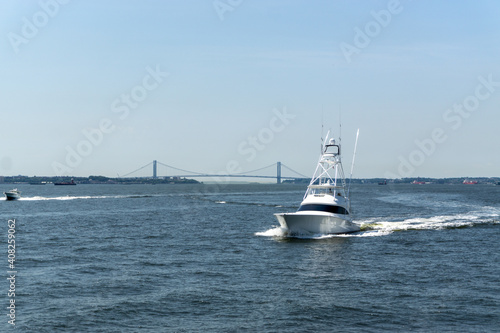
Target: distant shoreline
(426,181)
(41,180)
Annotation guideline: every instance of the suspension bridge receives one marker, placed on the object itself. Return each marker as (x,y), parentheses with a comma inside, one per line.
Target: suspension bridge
(182,173)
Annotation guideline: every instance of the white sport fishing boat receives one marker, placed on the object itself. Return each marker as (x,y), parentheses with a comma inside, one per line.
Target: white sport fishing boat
(326,207)
(12,194)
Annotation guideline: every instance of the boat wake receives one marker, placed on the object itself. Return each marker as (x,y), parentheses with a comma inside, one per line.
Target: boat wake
(83,197)
(379,227)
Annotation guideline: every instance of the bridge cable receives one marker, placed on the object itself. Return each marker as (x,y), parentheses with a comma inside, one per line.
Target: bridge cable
(246,172)
(169,166)
(298,173)
(136,170)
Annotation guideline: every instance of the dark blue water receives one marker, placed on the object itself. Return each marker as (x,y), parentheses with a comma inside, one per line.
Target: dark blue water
(188,258)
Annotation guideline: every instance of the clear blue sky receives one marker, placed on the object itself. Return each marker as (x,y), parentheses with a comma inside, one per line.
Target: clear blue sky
(217,85)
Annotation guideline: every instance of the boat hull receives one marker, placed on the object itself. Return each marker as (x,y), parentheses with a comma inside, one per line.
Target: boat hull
(11,196)
(299,223)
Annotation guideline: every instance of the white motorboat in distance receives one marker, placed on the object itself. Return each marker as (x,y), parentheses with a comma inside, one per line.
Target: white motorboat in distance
(12,194)
(326,207)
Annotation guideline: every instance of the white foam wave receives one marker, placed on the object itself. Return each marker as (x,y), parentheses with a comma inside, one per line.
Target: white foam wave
(280,232)
(274,232)
(487,215)
(38,198)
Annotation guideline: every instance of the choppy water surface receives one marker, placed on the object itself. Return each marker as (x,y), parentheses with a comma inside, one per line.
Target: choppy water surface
(186,258)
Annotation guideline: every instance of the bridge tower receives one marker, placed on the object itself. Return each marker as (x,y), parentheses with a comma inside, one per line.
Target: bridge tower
(154,170)
(278,172)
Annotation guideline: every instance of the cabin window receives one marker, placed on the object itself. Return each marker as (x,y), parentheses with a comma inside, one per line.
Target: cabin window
(324,208)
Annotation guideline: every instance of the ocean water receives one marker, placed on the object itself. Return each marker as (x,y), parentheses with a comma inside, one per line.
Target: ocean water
(190,258)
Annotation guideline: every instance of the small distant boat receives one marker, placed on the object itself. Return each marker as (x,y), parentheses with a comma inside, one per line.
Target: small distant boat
(12,194)
(326,207)
(383,183)
(417,182)
(470,182)
(72,182)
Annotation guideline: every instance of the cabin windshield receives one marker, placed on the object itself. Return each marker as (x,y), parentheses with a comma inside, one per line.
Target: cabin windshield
(324,208)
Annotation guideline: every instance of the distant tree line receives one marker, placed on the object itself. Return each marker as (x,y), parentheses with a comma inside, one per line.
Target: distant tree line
(39,180)
(456,180)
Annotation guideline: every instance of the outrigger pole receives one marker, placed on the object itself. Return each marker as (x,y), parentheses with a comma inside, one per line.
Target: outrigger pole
(352,166)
